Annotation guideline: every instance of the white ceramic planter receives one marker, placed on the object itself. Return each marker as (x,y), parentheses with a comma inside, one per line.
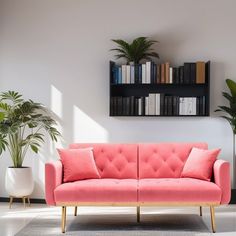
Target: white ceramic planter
(19,181)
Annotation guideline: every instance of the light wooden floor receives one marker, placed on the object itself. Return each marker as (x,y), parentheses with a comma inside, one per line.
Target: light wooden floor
(12,220)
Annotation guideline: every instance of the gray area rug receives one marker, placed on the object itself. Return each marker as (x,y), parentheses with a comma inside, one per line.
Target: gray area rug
(168,225)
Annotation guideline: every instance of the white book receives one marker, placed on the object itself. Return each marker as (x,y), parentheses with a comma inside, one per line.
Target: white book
(158,107)
(191,106)
(123,71)
(171,75)
(139,106)
(148,72)
(132,74)
(181,106)
(128,74)
(146,106)
(152,104)
(143,73)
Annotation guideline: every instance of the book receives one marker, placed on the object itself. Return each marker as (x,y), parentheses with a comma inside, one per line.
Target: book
(187,74)
(171,75)
(132,106)
(167,72)
(119,75)
(192,73)
(154,73)
(152,104)
(123,70)
(166,105)
(136,74)
(132,74)
(200,72)
(162,73)
(181,74)
(175,105)
(140,74)
(144,74)
(162,108)
(148,72)
(158,81)
(146,106)
(158,110)
(139,106)
(128,81)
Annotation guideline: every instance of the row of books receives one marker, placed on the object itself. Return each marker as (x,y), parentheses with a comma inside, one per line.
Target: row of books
(151,73)
(157,104)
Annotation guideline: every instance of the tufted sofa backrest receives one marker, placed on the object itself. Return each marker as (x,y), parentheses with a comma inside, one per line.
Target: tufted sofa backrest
(164,160)
(114,160)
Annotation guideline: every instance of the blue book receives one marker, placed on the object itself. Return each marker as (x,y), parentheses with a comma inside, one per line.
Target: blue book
(119,75)
(140,73)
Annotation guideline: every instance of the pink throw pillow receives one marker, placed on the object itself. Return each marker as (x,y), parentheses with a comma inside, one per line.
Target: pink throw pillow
(200,163)
(78,164)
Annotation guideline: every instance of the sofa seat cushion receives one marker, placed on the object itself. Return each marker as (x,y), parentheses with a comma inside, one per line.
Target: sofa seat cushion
(178,190)
(98,190)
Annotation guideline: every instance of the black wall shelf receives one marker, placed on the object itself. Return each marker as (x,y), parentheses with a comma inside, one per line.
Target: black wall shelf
(143,90)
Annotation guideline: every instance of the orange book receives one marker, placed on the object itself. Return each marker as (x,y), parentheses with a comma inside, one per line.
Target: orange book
(200,72)
(167,73)
(162,73)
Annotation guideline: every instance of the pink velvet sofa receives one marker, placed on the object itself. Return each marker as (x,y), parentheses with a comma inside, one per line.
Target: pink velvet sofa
(139,175)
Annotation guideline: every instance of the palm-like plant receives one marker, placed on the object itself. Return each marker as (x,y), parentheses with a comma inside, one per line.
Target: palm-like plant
(231,109)
(139,49)
(21,123)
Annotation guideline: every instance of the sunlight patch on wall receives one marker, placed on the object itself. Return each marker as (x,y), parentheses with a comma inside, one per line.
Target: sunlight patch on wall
(56,108)
(86,129)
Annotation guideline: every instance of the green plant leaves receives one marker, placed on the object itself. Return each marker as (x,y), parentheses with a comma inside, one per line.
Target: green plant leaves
(232,86)
(139,49)
(21,123)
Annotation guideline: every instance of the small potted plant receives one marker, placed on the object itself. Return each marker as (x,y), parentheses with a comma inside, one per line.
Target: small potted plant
(137,50)
(21,125)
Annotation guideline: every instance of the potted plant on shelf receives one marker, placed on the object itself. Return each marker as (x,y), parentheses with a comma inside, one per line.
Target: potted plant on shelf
(21,125)
(138,49)
(230,116)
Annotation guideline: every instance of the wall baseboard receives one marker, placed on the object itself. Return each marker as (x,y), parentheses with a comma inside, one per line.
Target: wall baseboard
(233,196)
(32,200)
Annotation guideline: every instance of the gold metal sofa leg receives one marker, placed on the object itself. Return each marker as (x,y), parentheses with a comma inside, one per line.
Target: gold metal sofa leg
(213,224)
(138,213)
(200,210)
(63,219)
(75,213)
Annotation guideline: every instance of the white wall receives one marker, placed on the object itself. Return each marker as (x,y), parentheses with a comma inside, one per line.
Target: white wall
(57,52)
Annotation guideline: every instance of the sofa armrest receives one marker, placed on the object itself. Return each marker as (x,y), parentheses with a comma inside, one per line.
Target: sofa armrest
(221,170)
(53,178)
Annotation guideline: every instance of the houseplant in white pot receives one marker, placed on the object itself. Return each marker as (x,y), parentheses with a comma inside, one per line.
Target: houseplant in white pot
(23,124)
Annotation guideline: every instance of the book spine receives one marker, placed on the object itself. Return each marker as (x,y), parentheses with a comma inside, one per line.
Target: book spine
(181,74)
(158,112)
(128,80)
(139,106)
(140,74)
(166,105)
(187,74)
(200,72)
(167,73)
(162,73)
(151,104)
(144,74)
(136,74)
(154,73)
(119,75)
(171,75)
(132,74)
(123,69)
(132,105)
(148,72)
(193,73)
(146,106)
(162,103)
(158,74)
